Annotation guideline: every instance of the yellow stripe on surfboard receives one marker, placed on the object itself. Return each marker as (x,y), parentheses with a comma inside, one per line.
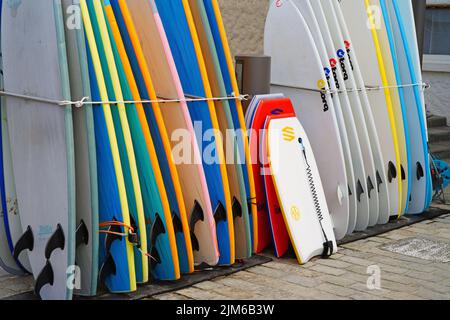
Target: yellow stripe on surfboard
(112,138)
(161,125)
(215,123)
(240,111)
(390,110)
(142,118)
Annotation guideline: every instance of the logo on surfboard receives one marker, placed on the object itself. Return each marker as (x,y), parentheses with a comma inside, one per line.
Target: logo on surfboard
(333,63)
(341,56)
(288,134)
(295,213)
(322,85)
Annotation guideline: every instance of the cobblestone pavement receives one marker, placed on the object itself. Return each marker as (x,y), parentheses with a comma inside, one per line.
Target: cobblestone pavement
(345,275)
(412,274)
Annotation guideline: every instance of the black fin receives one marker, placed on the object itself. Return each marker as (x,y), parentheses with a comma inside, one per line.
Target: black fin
(392,172)
(25,242)
(56,241)
(157,230)
(403,173)
(155,258)
(196,215)
(108,268)
(237,209)
(220,214)
(328,249)
(177,225)
(110,238)
(46,276)
(370,186)
(194,242)
(360,190)
(420,171)
(379,181)
(350,193)
(82,234)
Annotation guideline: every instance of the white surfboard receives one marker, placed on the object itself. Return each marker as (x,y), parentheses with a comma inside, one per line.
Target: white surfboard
(298,73)
(347,129)
(299,189)
(353,19)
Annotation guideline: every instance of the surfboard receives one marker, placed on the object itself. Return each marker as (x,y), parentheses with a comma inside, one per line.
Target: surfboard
(267,191)
(10,226)
(171,205)
(385,50)
(373,72)
(354,82)
(253,105)
(176,17)
(299,189)
(344,118)
(233,156)
(298,69)
(403,34)
(85,156)
(229,77)
(154,139)
(34,61)
(156,62)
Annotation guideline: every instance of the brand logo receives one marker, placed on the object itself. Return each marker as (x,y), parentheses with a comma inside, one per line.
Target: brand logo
(348,47)
(288,134)
(322,85)
(295,213)
(333,63)
(341,56)
(277,111)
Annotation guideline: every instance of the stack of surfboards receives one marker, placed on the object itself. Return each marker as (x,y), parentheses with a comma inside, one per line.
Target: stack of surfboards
(147,176)
(352,71)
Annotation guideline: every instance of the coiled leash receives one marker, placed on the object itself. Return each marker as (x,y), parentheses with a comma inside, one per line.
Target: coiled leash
(328,247)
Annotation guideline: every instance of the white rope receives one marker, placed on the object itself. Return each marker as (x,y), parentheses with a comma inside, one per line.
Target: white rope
(424,86)
(86,100)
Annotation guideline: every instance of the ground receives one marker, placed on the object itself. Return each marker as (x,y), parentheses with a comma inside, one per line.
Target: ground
(412,274)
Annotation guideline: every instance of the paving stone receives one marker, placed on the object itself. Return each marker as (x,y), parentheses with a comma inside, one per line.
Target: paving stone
(268,271)
(366,297)
(340,281)
(328,270)
(430,294)
(306,282)
(337,290)
(334,263)
(357,261)
(170,296)
(199,294)
(288,268)
(402,296)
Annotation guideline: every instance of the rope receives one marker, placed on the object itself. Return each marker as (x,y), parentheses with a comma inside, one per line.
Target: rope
(423,85)
(86,101)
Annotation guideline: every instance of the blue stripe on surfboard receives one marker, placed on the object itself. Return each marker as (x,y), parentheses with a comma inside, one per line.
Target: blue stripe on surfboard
(108,191)
(418,103)
(178,33)
(401,93)
(233,107)
(157,140)
(150,193)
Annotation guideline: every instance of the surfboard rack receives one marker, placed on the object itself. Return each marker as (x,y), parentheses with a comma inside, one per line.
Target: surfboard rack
(177,225)
(56,241)
(237,208)
(26,241)
(82,234)
(220,214)
(46,276)
(108,268)
(392,172)
(157,230)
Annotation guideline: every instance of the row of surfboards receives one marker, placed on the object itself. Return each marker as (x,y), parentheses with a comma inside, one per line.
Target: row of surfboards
(131,182)
(352,70)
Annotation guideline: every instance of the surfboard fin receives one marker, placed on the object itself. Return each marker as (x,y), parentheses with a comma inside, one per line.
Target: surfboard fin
(56,241)
(196,215)
(82,234)
(157,230)
(359,190)
(46,276)
(155,259)
(108,268)
(370,186)
(177,225)
(194,242)
(350,193)
(237,208)
(420,171)
(26,241)
(220,214)
(392,172)
(403,173)
(379,181)
(114,235)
